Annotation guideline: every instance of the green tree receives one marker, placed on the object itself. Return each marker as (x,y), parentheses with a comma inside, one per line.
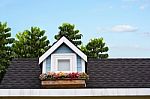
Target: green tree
(30,43)
(68,30)
(5,48)
(96,48)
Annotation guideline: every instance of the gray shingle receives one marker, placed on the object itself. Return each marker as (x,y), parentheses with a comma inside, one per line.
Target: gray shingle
(106,73)
(22,73)
(118,73)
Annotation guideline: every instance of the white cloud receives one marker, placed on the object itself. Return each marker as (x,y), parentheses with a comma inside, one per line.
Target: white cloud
(130,47)
(140,4)
(147,34)
(124,28)
(142,7)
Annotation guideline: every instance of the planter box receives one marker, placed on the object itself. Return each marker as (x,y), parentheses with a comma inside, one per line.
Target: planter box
(65,83)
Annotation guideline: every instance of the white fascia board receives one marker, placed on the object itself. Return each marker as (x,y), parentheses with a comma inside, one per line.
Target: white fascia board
(75,49)
(57,44)
(51,50)
(77,92)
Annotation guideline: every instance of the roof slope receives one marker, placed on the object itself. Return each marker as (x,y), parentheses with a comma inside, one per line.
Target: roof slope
(107,73)
(118,73)
(22,74)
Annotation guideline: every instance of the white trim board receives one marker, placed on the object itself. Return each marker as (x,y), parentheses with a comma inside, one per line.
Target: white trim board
(83,65)
(44,67)
(71,56)
(77,92)
(57,44)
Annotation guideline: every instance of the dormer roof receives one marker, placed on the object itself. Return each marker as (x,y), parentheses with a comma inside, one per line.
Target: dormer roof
(59,43)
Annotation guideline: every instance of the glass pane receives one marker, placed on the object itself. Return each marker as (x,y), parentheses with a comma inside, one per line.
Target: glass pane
(64,65)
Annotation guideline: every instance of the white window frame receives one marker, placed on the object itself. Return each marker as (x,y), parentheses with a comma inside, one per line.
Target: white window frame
(71,56)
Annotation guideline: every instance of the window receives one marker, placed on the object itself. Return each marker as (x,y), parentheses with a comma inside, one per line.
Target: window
(64,62)
(63,65)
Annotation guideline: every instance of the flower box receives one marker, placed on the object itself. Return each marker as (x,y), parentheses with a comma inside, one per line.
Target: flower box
(63,83)
(63,80)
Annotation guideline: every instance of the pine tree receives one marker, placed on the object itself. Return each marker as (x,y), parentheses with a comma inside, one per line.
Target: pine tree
(68,30)
(96,48)
(5,48)
(30,43)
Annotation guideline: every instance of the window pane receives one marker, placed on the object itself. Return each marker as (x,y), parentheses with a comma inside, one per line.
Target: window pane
(64,65)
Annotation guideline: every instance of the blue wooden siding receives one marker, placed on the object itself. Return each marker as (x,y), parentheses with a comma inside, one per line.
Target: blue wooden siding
(79,64)
(63,49)
(48,64)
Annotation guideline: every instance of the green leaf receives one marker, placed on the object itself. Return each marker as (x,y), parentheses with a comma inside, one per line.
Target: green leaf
(5,48)
(96,48)
(68,30)
(30,42)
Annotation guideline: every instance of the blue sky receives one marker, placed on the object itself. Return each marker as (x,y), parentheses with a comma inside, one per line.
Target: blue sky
(124,24)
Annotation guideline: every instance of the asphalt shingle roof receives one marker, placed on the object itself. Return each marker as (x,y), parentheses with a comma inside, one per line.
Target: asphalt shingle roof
(118,73)
(22,74)
(105,73)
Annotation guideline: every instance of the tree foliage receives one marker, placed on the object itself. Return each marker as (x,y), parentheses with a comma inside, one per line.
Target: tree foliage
(68,30)
(30,43)
(96,48)
(5,48)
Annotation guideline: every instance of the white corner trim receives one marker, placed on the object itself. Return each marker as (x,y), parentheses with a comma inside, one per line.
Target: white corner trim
(83,65)
(57,44)
(77,92)
(44,67)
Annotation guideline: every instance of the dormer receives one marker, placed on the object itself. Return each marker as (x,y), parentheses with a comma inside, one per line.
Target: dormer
(63,65)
